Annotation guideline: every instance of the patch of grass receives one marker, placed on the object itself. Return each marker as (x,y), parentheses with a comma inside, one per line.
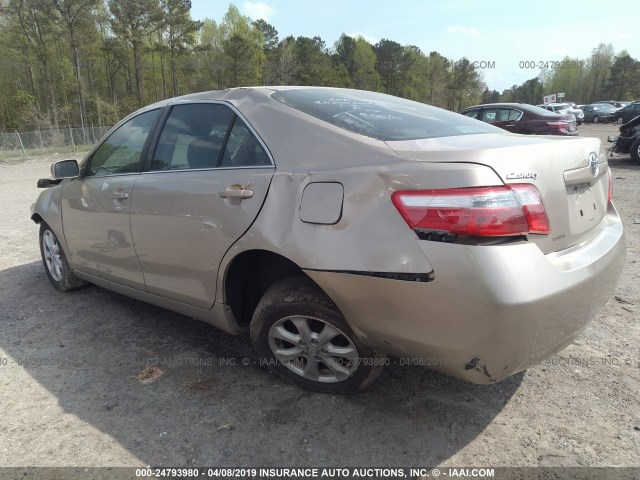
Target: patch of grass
(14,155)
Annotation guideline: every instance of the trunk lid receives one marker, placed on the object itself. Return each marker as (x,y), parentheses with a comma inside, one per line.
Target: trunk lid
(570,173)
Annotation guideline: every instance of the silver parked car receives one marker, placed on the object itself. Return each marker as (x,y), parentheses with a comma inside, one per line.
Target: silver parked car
(564,108)
(341,226)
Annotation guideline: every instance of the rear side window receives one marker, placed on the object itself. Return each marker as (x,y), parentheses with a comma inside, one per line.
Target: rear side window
(380,116)
(243,149)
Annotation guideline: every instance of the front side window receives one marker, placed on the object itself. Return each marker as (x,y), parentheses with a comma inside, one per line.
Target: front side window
(120,152)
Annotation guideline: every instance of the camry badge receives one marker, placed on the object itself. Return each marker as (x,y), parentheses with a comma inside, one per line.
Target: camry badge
(594,164)
(521,175)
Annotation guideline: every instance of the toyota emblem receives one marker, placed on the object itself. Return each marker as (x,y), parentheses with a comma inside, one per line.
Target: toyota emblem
(594,164)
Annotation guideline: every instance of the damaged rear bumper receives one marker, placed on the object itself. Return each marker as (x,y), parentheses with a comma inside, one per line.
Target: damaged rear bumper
(490,311)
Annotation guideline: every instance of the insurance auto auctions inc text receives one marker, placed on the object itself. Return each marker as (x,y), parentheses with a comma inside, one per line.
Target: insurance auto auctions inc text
(338,473)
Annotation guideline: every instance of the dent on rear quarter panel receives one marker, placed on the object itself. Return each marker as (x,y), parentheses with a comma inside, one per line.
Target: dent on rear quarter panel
(370,236)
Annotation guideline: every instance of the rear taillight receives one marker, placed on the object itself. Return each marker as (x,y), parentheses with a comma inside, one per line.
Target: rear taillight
(515,209)
(558,124)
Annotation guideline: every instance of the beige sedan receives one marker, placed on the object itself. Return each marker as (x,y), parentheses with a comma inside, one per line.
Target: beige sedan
(342,227)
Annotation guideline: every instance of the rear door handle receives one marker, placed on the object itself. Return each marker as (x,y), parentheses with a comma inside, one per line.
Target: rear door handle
(236,191)
(119,195)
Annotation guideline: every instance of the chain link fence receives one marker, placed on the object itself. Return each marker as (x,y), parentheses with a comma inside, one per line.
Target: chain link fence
(70,137)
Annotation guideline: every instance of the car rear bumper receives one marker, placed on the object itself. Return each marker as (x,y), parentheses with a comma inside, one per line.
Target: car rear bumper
(570,133)
(490,311)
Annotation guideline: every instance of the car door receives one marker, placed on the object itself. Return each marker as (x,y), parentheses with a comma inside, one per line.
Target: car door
(204,185)
(588,113)
(631,112)
(95,206)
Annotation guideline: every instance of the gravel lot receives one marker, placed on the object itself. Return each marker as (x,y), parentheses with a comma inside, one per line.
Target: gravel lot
(71,393)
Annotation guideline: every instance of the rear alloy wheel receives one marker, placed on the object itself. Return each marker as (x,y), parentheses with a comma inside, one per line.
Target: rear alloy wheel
(55,262)
(596,119)
(635,151)
(620,120)
(302,336)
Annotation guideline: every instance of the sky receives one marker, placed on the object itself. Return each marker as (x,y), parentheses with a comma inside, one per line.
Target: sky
(498,34)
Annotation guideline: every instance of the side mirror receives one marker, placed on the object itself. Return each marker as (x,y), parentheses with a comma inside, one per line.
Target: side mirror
(65,169)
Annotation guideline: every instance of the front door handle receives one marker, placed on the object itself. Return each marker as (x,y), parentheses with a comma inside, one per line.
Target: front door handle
(236,191)
(119,195)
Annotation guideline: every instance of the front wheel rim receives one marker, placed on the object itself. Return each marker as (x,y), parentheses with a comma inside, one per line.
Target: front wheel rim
(313,349)
(620,121)
(52,255)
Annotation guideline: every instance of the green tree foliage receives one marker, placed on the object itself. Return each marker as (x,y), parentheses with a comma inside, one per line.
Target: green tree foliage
(269,36)
(364,75)
(90,62)
(437,79)
(133,21)
(624,81)
(242,44)
(72,16)
(465,85)
(178,35)
(597,71)
(392,60)
(530,92)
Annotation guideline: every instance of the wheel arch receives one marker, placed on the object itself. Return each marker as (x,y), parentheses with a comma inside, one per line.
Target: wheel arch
(248,276)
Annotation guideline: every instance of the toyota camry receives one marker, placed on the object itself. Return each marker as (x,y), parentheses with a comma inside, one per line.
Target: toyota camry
(342,228)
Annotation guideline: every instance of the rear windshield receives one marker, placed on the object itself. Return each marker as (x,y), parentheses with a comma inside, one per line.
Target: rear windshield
(380,116)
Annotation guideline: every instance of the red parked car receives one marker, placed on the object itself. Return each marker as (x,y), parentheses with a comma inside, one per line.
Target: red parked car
(523,118)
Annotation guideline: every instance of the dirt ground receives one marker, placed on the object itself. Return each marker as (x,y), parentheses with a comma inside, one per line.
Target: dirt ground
(72,391)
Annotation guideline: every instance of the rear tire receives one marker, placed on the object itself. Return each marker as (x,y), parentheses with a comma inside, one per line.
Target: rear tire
(596,119)
(620,120)
(302,336)
(55,262)
(635,151)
